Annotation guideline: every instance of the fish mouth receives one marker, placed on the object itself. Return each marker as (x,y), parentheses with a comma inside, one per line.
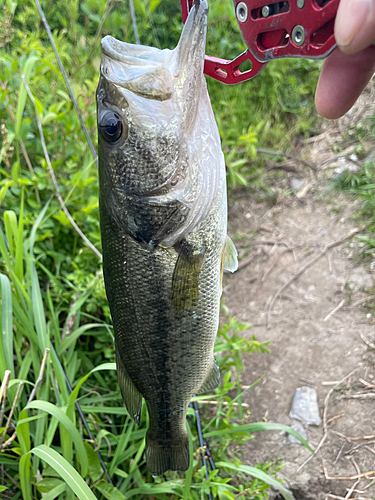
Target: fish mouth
(151,72)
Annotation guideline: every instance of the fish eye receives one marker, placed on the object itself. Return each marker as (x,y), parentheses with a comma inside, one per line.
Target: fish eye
(111,126)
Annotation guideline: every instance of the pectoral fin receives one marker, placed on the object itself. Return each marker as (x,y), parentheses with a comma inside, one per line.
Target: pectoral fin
(132,397)
(212,380)
(231,256)
(185,282)
(229,260)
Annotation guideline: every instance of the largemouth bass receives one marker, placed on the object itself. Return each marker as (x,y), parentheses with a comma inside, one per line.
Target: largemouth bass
(163,216)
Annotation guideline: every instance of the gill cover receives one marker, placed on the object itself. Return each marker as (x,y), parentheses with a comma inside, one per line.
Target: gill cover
(162,98)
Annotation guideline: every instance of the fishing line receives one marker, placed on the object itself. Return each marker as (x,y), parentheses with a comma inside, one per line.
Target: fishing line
(85,131)
(135,26)
(205,452)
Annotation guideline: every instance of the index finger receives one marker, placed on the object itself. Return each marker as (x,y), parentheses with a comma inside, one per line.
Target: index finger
(355,25)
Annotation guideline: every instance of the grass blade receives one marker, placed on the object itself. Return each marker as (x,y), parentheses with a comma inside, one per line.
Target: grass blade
(25,476)
(19,242)
(38,310)
(26,71)
(256,427)
(73,337)
(55,492)
(23,432)
(74,394)
(36,226)
(65,471)
(69,426)
(10,224)
(189,473)
(6,326)
(122,445)
(259,474)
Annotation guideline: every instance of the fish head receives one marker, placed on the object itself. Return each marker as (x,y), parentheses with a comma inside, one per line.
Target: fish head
(149,108)
(146,101)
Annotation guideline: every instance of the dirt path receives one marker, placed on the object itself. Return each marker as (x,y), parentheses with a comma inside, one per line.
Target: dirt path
(312,344)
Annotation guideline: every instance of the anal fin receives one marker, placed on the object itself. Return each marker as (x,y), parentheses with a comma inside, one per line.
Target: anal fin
(212,381)
(131,396)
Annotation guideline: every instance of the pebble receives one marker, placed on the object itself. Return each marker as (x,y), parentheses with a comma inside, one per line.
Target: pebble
(298,427)
(296,184)
(305,406)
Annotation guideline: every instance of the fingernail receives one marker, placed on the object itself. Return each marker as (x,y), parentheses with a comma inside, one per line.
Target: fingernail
(351,18)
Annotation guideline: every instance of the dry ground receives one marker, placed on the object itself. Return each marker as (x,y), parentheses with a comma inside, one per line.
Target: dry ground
(321,331)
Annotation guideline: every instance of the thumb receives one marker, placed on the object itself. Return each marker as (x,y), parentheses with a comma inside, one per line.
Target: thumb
(355,25)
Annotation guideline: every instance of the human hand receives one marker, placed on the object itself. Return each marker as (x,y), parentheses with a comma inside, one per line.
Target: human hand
(348,69)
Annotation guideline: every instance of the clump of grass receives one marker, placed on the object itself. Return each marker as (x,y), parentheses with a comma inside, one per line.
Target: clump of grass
(361,184)
(43,421)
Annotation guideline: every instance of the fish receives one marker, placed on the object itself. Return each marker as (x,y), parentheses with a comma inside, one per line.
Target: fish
(163,219)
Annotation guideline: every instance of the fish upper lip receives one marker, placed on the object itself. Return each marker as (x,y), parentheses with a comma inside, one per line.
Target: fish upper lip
(151,57)
(134,55)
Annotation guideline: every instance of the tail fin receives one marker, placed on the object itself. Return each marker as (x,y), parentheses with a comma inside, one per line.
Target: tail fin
(164,456)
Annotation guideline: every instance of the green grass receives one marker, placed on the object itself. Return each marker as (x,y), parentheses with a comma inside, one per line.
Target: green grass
(47,425)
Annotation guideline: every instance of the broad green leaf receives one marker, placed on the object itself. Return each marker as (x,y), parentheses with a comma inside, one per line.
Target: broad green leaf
(109,491)
(69,426)
(65,470)
(95,468)
(47,484)
(252,471)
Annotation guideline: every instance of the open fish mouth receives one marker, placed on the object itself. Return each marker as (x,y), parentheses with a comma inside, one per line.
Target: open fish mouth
(151,72)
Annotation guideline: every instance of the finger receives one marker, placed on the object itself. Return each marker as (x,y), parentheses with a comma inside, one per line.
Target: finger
(355,25)
(342,80)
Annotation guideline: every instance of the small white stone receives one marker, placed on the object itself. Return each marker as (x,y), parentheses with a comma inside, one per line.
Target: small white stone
(305,406)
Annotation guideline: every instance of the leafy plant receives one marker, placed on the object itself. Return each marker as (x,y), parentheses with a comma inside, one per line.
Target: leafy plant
(361,184)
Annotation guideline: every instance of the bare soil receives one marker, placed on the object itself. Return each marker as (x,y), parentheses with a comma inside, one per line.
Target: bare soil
(320,331)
